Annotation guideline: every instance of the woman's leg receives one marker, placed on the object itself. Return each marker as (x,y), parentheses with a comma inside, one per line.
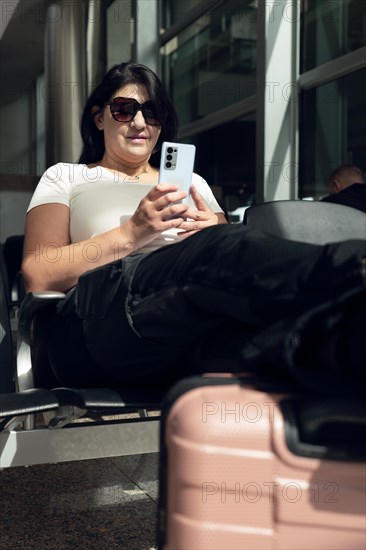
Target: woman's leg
(149,311)
(233,272)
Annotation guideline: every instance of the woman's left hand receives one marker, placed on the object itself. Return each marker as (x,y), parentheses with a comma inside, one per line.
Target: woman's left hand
(200,218)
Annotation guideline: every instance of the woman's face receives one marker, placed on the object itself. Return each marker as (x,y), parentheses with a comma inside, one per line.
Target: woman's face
(129,142)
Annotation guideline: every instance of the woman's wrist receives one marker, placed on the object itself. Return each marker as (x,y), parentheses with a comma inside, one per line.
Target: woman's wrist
(131,241)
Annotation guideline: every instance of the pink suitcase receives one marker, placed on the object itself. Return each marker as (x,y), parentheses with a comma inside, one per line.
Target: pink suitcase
(250,467)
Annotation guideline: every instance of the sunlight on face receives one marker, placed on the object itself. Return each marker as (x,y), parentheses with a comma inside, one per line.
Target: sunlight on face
(130,142)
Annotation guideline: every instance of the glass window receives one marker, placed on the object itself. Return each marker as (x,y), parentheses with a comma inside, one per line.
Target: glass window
(119,32)
(225,158)
(330,29)
(212,63)
(332,131)
(173,10)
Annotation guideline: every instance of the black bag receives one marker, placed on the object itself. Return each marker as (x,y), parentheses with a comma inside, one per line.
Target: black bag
(300,348)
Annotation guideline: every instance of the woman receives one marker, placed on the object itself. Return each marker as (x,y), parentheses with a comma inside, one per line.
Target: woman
(135,307)
(115,152)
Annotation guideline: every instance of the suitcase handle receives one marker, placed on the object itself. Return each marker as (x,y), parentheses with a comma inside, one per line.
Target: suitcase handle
(332,428)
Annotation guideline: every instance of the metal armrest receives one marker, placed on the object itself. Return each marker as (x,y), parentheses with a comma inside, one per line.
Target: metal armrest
(17,291)
(30,306)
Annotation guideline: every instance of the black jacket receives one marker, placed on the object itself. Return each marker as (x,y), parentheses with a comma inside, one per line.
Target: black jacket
(354,196)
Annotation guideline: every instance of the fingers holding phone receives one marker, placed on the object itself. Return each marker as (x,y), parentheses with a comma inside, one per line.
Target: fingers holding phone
(200,217)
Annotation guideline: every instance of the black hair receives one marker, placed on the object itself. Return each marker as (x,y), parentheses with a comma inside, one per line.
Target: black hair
(117,77)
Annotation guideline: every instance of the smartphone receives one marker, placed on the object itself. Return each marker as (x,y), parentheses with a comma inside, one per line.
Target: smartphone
(176,165)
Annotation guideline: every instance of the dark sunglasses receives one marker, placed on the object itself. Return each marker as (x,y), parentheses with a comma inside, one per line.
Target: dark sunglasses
(124,109)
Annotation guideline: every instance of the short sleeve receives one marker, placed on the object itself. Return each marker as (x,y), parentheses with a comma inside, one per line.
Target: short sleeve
(53,187)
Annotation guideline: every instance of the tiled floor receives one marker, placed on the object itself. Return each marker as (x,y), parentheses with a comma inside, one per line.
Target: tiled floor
(102,504)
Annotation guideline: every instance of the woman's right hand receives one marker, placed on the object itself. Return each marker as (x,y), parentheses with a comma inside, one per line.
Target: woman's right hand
(158,211)
(52,262)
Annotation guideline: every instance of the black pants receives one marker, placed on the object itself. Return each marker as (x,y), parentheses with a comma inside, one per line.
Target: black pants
(138,319)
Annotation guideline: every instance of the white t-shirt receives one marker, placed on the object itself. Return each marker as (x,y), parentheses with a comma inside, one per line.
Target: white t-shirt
(100,200)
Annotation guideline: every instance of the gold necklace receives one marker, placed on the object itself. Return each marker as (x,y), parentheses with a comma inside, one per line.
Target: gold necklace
(121,174)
